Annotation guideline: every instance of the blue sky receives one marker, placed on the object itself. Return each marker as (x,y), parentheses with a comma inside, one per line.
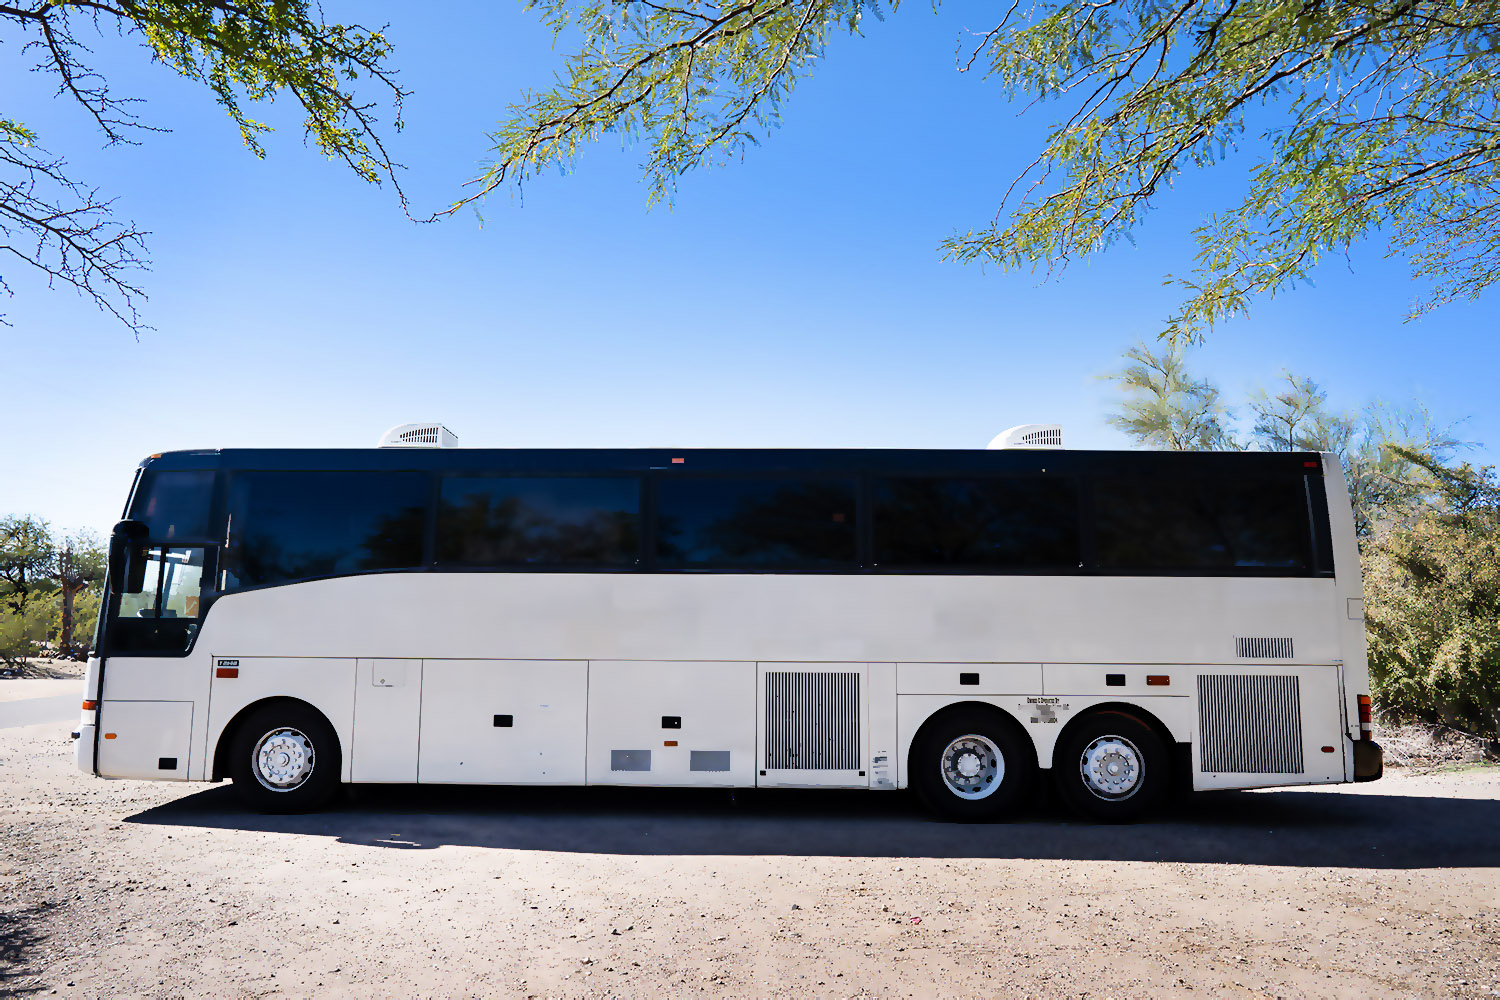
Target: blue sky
(796,298)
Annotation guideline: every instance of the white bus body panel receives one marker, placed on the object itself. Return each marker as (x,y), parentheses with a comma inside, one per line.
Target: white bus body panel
(387,720)
(546,701)
(467,639)
(140,735)
(629,701)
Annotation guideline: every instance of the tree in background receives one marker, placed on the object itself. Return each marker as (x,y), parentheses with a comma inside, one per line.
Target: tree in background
(78,564)
(1432,587)
(243,51)
(26,555)
(1369,117)
(48,586)
(1165,407)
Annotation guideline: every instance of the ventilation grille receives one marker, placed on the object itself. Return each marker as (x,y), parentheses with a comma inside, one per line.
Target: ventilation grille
(1263,648)
(1052,437)
(1249,725)
(812,721)
(423,435)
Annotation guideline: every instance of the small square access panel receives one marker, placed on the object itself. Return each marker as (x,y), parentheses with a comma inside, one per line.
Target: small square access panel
(969,679)
(671,722)
(504,721)
(166,763)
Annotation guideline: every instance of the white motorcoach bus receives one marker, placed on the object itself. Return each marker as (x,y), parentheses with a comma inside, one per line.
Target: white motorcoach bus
(963,623)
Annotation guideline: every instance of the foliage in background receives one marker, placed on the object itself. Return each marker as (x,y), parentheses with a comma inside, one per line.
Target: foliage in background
(49,590)
(1165,407)
(243,51)
(1364,117)
(1432,592)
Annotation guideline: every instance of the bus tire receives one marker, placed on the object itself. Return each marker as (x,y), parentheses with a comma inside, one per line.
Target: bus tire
(970,765)
(285,759)
(1111,767)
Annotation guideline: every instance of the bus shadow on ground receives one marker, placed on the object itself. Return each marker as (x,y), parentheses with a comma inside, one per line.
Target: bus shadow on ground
(1293,827)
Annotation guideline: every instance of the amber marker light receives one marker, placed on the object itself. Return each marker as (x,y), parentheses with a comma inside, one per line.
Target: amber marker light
(669,743)
(1158,680)
(89,706)
(109,736)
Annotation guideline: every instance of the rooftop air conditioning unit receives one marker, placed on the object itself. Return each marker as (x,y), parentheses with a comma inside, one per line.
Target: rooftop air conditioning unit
(1029,436)
(418,436)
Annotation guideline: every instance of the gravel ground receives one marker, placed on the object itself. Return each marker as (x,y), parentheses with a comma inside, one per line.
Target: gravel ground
(153,889)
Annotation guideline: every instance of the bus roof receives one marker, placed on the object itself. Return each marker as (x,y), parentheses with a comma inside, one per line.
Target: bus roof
(759,460)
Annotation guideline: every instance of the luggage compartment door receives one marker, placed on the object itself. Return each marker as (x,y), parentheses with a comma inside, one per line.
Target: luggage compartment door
(504,722)
(672,722)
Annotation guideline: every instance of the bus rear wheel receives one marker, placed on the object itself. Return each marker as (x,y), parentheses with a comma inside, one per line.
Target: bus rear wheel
(971,766)
(285,759)
(1111,767)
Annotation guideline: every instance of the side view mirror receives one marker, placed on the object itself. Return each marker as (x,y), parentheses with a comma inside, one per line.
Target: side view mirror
(128,555)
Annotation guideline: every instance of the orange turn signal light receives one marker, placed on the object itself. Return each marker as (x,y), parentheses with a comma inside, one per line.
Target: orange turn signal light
(89,706)
(109,736)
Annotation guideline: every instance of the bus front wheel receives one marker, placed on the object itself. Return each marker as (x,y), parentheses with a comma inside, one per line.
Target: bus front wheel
(286,759)
(1111,767)
(970,765)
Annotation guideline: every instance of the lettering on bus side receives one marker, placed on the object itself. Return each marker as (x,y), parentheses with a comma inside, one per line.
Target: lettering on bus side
(1043,710)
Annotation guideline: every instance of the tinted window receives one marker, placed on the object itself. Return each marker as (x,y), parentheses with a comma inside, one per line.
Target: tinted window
(499,521)
(756,523)
(1189,524)
(955,522)
(174,504)
(286,526)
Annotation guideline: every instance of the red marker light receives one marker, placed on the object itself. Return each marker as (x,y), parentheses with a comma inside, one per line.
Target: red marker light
(227,672)
(678,461)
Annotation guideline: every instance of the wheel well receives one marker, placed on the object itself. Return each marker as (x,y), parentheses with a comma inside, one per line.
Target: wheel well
(1136,712)
(1006,719)
(231,731)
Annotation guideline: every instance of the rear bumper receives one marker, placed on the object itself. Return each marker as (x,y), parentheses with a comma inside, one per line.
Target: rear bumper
(1369,760)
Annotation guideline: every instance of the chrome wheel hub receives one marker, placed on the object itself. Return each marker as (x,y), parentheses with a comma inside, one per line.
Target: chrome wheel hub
(972,766)
(283,759)
(1112,768)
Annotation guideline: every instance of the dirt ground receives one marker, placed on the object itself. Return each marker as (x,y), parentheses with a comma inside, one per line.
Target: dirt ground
(153,889)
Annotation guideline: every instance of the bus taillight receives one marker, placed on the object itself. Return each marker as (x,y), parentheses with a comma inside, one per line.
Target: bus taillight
(1364,717)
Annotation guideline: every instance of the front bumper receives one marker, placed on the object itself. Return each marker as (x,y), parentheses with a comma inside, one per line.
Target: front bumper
(83,749)
(1369,760)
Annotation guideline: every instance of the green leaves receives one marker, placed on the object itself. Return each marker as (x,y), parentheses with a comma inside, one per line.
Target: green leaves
(1381,118)
(695,84)
(244,51)
(1433,602)
(1370,115)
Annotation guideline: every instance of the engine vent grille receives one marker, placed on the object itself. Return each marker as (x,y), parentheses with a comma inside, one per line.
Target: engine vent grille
(812,721)
(1249,724)
(1263,648)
